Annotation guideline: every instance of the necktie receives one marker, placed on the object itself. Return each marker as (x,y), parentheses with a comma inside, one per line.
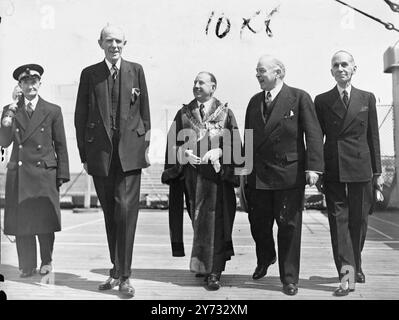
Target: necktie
(345,98)
(202,112)
(114,97)
(29,109)
(114,71)
(268,102)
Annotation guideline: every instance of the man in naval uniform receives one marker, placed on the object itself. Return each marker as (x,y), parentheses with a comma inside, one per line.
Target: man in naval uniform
(37,168)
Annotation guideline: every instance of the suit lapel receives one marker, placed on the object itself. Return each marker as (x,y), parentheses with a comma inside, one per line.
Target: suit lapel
(338,106)
(194,110)
(282,105)
(21,116)
(100,77)
(126,79)
(353,108)
(38,116)
(258,123)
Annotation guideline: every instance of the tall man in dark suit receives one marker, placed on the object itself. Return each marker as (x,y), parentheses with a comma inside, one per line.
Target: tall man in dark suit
(37,168)
(112,118)
(348,118)
(280,117)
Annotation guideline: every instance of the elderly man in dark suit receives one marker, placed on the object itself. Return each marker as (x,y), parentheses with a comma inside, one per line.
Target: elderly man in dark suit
(37,168)
(348,118)
(280,117)
(112,119)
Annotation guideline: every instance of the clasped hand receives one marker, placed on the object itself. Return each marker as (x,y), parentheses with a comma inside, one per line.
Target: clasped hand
(378,182)
(212,155)
(311,178)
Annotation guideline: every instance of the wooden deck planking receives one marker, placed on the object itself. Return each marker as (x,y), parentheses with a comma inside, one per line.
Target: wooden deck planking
(81,262)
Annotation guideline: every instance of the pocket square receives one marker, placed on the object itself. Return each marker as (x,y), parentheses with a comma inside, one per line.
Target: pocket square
(364,108)
(135,92)
(289,115)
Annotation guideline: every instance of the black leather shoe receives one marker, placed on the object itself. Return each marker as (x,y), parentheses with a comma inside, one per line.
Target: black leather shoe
(214,281)
(126,288)
(360,277)
(199,275)
(26,274)
(261,269)
(290,289)
(46,269)
(109,284)
(341,292)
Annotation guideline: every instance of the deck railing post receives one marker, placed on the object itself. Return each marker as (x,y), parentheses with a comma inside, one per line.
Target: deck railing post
(391,65)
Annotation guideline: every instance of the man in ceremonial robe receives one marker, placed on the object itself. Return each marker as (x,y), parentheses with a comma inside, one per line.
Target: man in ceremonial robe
(199,163)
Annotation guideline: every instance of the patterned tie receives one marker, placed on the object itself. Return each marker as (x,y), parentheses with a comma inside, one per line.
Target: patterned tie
(268,102)
(345,98)
(114,71)
(202,112)
(29,109)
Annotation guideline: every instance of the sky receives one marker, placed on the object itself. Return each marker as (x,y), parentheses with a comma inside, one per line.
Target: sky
(169,39)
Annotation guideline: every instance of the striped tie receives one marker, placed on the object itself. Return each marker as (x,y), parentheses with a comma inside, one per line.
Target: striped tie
(29,109)
(114,71)
(345,98)
(268,102)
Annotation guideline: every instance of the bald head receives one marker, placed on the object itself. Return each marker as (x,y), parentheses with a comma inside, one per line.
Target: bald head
(204,86)
(111,29)
(211,76)
(343,67)
(112,40)
(343,53)
(270,72)
(273,62)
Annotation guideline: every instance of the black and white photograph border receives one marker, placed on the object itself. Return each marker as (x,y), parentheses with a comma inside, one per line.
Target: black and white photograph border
(174,40)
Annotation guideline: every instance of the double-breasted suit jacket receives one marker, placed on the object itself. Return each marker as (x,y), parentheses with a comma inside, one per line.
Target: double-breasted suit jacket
(352,147)
(277,183)
(352,156)
(93,124)
(39,156)
(280,156)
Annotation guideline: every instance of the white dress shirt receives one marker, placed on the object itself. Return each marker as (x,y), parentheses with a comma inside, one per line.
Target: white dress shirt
(109,65)
(341,91)
(34,102)
(274,92)
(207,105)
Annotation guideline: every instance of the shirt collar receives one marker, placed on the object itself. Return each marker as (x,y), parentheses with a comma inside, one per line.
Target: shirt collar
(34,102)
(109,64)
(276,90)
(341,90)
(207,104)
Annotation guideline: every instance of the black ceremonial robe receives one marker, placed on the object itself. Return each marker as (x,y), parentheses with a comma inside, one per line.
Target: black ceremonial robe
(210,196)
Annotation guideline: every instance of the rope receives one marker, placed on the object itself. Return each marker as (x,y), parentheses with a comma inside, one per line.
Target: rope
(386,116)
(394,7)
(387,25)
